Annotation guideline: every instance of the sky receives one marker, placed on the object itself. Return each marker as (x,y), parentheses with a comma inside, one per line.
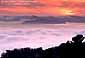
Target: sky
(43,7)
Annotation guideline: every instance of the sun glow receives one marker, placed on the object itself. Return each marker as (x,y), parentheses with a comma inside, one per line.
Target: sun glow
(64,11)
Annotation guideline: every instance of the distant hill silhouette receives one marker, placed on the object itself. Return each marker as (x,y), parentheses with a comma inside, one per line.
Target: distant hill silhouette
(70,49)
(43,19)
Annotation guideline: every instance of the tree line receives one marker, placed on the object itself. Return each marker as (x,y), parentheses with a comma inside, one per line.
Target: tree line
(70,49)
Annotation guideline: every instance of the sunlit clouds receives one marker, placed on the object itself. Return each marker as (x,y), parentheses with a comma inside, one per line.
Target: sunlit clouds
(44,7)
(64,11)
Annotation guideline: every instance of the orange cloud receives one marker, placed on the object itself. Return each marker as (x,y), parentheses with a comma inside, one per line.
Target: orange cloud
(77,0)
(47,7)
(65,11)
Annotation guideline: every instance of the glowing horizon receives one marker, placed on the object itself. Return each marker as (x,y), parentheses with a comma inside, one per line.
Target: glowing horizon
(44,7)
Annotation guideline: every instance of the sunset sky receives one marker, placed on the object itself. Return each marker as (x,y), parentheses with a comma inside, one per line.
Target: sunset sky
(43,7)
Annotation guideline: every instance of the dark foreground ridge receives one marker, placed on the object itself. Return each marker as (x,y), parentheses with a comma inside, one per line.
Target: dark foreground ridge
(70,49)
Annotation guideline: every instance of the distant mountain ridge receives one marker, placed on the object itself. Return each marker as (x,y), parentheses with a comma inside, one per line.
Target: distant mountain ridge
(43,19)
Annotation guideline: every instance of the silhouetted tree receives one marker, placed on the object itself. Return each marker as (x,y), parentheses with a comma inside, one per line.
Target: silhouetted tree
(73,49)
(78,39)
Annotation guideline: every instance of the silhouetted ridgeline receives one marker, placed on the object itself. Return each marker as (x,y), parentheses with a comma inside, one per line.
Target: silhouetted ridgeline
(70,49)
(43,19)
